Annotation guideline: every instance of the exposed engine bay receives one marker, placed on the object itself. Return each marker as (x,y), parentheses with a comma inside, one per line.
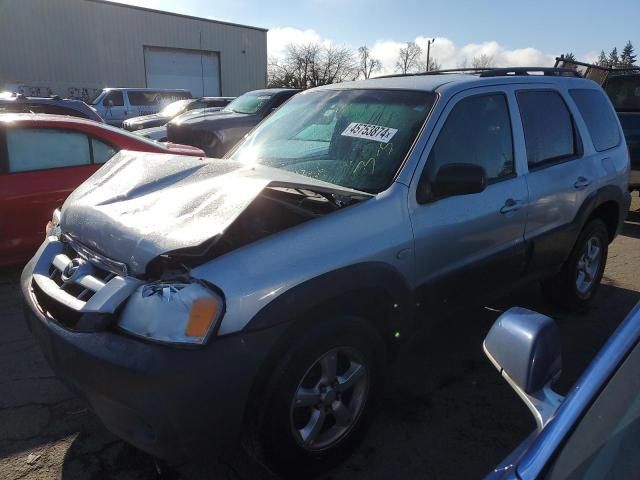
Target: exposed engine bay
(274,210)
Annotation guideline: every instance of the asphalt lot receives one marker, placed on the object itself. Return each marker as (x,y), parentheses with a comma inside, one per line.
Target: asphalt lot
(449,414)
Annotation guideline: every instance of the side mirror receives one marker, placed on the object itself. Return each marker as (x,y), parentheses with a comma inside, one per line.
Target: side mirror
(456,179)
(525,348)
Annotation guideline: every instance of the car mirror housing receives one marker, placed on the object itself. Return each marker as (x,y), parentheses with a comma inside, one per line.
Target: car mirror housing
(525,348)
(454,179)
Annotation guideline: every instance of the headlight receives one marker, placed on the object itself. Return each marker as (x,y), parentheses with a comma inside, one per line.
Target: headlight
(53,226)
(173,312)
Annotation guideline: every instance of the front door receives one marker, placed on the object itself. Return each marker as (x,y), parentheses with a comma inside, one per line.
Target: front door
(115,107)
(468,245)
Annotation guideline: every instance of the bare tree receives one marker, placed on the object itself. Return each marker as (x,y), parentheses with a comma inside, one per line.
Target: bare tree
(409,58)
(367,65)
(312,65)
(433,65)
(483,61)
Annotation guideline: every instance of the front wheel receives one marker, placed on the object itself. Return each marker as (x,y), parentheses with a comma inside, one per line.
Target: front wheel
(576,284)
(322,398)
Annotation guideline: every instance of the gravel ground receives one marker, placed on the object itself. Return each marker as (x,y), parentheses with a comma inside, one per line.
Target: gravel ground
(449,414)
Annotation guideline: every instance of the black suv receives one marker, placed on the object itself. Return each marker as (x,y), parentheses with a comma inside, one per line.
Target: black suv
(624,92)
(55,105)
(217,132)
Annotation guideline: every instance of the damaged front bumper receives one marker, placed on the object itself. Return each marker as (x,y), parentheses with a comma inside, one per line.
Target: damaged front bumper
(173,403)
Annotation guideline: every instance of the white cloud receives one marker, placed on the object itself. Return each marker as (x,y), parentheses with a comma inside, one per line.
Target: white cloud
(279,38)
(444,50)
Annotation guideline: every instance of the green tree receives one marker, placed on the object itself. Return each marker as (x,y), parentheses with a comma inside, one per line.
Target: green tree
(569,57)
(614,60)
(602,60)
(627,58)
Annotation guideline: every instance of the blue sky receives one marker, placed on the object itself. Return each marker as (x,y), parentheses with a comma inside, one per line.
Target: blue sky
(510,31)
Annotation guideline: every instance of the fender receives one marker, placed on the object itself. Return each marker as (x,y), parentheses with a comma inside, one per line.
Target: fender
(367,277)
(599,197)
(549,251)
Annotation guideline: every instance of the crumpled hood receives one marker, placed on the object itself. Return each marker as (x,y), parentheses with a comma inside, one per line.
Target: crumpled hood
(141,205)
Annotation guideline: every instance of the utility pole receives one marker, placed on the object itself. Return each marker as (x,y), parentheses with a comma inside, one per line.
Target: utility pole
(429,42)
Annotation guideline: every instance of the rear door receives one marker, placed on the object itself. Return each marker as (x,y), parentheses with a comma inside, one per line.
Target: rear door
(468,245)
(40,167)
(560,175)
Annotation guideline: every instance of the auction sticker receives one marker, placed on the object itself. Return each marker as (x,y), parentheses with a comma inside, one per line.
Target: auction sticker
(369,132)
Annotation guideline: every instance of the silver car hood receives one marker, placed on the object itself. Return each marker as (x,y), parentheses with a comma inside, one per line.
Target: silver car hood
(141,205)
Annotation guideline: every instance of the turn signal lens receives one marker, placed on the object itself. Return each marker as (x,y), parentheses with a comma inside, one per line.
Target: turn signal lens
(203,313)
(53,225)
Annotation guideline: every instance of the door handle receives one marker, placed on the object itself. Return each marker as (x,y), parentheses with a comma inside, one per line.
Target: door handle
(510,205)
(581,183)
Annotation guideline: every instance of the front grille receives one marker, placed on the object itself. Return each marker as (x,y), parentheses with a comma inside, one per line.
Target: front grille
(82,288)
(64,315)
(66,278)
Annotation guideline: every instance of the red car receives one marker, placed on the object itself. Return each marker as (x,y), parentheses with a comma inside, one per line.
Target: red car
(43,158)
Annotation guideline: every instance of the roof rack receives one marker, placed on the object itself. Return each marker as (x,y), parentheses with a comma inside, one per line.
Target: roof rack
(436,72)
(524,71)
(597,73)
(496,72)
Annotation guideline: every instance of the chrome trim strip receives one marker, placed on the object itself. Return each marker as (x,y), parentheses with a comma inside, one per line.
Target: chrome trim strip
(97,259)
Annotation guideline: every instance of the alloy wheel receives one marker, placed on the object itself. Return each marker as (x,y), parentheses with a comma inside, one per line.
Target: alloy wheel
(329,399)
(588,265)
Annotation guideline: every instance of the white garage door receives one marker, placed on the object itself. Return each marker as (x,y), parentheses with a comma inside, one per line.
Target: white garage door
(197,71)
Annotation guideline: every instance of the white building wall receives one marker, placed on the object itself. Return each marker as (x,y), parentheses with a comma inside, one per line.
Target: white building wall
(76,47)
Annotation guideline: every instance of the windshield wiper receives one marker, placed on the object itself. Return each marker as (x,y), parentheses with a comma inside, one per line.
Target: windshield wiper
(338,201)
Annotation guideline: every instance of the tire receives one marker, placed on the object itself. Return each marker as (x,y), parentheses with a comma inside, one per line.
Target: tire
(578,281)
(296,440)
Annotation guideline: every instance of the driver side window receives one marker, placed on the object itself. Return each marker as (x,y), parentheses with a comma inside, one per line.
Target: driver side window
(477,131)
(113,99)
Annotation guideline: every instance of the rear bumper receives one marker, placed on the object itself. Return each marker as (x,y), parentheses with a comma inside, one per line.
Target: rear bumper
(173,403)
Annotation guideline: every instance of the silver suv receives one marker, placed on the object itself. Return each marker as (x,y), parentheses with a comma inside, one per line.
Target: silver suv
(198,302)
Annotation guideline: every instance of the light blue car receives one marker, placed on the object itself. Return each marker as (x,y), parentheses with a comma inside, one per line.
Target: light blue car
(591,434)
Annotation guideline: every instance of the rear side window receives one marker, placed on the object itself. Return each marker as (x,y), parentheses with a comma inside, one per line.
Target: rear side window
(548,127)
(599,117)
(143,98)
(113,99)
(101,151)
(40,149)
(478,131)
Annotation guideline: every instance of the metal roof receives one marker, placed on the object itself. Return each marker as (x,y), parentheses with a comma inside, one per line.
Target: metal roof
(164,12)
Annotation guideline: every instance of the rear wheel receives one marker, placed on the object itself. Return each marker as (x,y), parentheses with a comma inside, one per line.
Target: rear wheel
(323,397)
(576,284)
